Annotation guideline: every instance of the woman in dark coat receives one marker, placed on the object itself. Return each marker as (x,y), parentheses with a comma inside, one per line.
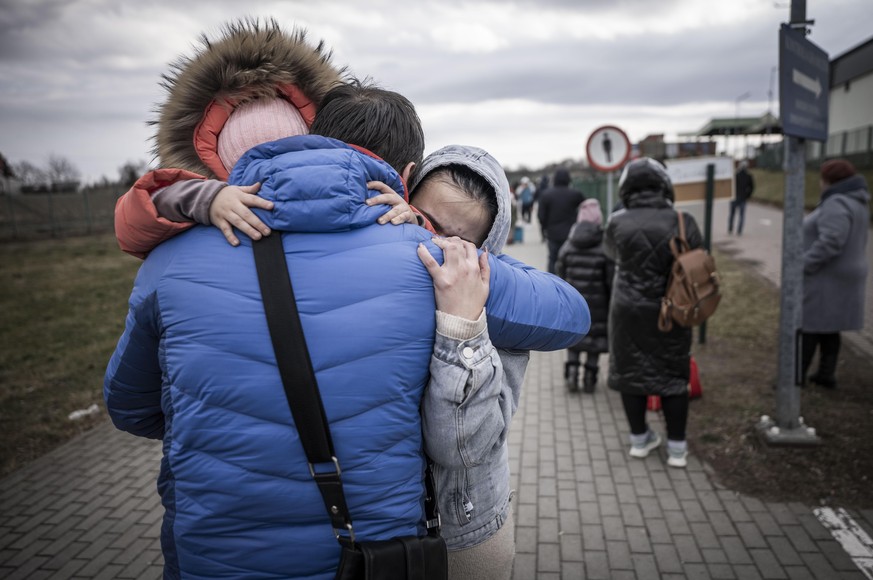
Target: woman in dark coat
(582,263)
(835,266)
(643,360)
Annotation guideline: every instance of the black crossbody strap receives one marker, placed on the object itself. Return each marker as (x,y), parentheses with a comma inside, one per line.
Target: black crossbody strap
(298,378)
(301,389)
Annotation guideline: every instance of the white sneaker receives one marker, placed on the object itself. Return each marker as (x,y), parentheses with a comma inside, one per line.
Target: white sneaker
(641,451)
(677,458)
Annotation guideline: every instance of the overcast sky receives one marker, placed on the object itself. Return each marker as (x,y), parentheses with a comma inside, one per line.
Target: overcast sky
(527,80)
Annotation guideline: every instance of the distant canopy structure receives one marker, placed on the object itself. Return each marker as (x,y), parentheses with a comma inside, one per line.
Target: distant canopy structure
(767,124)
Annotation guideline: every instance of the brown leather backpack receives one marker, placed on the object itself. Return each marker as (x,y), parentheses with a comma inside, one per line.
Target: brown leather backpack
(693,291)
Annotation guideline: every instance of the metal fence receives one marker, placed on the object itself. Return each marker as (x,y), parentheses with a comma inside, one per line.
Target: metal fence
(32,215)
(855,145)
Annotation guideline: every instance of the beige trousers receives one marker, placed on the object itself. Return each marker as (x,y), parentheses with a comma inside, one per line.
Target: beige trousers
(490,560)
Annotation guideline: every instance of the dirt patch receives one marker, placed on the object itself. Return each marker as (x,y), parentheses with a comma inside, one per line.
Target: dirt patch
(738,366)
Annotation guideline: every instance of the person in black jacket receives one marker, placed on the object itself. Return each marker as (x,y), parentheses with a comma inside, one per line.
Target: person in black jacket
(557,213)
(745,187)
(643,360)
(582,263)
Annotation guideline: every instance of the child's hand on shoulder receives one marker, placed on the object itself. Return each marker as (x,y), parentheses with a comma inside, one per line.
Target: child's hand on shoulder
(400,211)
(230,209)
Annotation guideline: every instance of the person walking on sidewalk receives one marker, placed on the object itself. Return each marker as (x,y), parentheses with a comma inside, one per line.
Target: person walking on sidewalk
(643,360)
(835,265)
(582,263)
(745,187)
(557,213)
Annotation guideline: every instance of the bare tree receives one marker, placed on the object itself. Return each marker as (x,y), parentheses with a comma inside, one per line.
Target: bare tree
(62,174)
(131,171)
(31,176)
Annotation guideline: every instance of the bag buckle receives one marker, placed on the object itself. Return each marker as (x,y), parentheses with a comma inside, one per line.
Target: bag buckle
(435,523)
(342,538)
(315,475)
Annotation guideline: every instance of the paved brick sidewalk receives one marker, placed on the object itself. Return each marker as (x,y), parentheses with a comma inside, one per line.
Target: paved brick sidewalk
(584,509)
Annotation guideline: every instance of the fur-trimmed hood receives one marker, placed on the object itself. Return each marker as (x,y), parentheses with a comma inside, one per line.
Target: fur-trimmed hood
(250,59)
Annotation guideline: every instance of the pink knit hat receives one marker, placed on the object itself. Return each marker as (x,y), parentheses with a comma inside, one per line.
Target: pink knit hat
(589,211)
(256,122)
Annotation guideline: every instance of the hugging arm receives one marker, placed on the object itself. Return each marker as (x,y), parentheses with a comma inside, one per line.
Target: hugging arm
(529,309)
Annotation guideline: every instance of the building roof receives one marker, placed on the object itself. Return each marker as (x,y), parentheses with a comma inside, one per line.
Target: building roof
(854,63)
(762,125)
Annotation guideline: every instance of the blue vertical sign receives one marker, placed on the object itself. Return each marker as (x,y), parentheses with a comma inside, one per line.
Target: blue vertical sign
(804,86)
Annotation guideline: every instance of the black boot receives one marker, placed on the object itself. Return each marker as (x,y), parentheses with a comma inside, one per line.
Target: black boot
(826,374)
(571,376)
(829,352)
(589,381)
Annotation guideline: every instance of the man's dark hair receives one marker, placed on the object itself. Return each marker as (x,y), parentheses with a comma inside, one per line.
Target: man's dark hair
(382,121)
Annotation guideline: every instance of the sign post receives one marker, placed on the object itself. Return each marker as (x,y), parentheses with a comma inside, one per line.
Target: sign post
(803,104)
(608,149)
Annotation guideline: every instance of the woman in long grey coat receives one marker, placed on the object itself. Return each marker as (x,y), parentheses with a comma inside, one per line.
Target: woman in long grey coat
(643,360)
(835,266)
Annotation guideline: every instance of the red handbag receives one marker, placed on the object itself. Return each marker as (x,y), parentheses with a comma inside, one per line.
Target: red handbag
(695,391)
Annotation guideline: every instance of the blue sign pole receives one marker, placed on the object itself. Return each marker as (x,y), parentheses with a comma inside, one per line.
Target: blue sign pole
(803,104)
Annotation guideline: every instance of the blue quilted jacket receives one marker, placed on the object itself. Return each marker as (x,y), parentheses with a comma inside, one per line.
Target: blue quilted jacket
(195,368)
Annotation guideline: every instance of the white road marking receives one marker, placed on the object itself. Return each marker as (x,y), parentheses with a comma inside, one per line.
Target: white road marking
(852,537)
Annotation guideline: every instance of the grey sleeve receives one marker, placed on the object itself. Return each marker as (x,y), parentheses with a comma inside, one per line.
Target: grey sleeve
(189,200)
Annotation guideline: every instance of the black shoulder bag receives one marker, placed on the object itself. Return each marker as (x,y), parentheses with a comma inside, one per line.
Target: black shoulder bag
(407,557)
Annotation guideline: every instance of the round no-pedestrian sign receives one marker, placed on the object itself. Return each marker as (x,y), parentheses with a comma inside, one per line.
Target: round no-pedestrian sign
(608,148)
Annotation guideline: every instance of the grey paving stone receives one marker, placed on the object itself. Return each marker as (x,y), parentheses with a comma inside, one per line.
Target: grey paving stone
(547,507)
(813,527)
(667,559)
(705,535)
(799,573)
(567,499)
(767,564)
(571,548)
(693,511)
(138,567)
(658,532)
(525,540)
(614,529)
(619,556)
(747,572)
(548,558)
(27,552)
(524,567)
(25,570)
(688,549)
(609,506)
(784,551)
(737,510)
(569,522)
(572,570)
(697,572)
(751,535)
(767,524)
(645,567)
(714,556)
(735,550)
(592,538)
(548,531)
(722,524)
(596,565)
(638,540)
(676,522)
(631,514)
(838,557)
(721,572)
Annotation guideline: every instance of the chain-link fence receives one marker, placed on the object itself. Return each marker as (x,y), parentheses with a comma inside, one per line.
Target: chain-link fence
(31,215)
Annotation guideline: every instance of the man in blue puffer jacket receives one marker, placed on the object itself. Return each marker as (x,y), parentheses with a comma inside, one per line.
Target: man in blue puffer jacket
(195,367)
